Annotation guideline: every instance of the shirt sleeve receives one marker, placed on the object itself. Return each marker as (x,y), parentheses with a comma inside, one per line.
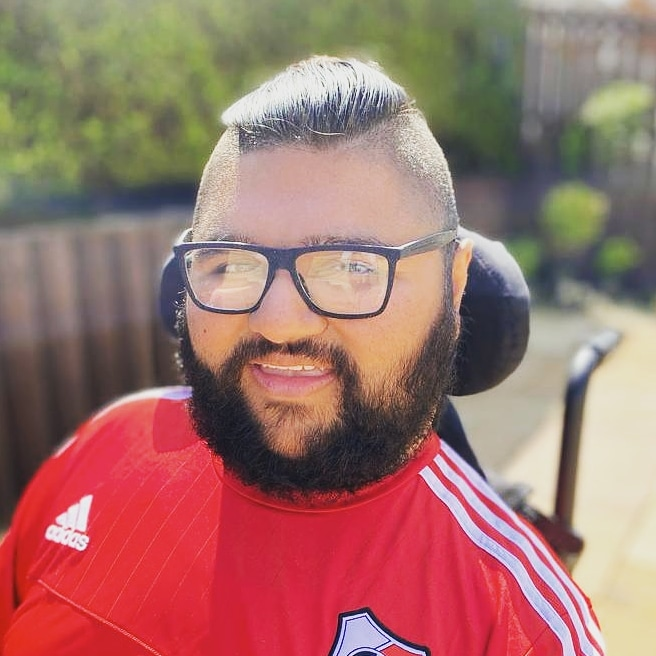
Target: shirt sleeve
(24,534)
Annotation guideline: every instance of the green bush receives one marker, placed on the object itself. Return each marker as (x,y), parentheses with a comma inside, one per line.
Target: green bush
(573,216)
(617,256)
(617,102)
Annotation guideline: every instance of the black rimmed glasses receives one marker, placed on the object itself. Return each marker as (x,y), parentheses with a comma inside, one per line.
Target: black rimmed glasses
(344,281)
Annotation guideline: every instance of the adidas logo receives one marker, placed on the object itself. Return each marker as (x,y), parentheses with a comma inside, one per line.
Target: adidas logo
(70,527)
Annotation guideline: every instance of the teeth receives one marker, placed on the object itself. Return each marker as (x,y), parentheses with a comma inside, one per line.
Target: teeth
(293,367)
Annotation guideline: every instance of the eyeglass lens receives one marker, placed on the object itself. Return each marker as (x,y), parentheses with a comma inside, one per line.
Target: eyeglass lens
(340,282)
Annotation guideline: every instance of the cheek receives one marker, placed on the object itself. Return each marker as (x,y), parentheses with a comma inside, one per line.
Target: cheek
(378,345)
(213,336)
(414,308)
(419,286)
(416,303)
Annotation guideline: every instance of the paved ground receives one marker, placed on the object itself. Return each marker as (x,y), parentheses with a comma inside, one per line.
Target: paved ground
(616,495)
(531,391)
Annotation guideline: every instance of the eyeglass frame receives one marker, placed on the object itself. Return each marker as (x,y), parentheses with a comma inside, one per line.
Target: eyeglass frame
(285,258)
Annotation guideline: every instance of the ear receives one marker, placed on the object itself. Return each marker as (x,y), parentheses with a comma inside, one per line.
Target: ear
(461,260)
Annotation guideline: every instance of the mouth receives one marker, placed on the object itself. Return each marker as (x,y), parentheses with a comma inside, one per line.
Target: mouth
(292,370)
(291,380)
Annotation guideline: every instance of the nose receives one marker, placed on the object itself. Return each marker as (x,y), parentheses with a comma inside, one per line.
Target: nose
(283,316)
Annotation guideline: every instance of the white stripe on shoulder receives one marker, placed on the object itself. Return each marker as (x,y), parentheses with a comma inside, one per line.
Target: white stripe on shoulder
(515,530)
(64,446)
(500,553)
(516,534)
(172,393)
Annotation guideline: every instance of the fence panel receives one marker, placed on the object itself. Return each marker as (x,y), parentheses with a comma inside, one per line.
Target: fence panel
(138,278)
(58,294)
(23,361)
(98,272)
(8,483)
(78,327)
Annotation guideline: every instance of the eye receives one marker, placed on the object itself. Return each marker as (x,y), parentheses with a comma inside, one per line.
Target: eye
(359,267)
(236,267)
(220,263)
(338,263)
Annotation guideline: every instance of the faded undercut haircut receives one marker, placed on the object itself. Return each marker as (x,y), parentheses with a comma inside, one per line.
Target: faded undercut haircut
(326,102)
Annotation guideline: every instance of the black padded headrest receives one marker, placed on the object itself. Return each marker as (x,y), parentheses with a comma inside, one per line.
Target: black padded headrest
(494,314)
(495,318)
(171,291)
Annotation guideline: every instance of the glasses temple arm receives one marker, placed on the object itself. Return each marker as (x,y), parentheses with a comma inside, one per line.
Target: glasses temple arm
(427,243)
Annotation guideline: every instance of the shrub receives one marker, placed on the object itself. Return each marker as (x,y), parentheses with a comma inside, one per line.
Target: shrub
(573,216)
(617,256)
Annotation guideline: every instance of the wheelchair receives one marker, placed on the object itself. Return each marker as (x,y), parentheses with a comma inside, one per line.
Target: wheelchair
(495,328)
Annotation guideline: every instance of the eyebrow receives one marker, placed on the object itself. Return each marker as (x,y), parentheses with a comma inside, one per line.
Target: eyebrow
(313,240)
(337,240)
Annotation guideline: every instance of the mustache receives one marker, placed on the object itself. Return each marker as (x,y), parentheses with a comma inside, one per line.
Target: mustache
(259,347)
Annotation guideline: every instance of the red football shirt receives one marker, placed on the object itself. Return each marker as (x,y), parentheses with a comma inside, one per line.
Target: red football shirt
(134,540)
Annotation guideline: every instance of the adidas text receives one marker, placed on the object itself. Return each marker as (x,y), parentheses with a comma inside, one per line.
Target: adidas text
(68,537)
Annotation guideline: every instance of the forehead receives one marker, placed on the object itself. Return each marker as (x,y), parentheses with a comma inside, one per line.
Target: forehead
(289,196)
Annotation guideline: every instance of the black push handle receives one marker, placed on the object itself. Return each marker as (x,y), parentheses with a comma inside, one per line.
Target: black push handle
(583,364)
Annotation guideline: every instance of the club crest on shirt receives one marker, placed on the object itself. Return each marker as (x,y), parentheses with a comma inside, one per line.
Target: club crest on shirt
(360,633)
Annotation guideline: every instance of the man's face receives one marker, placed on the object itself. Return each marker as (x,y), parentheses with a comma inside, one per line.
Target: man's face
(302,381)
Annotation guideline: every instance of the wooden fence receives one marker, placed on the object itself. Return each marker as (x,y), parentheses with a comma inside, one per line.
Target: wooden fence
(568,55)
(78,327)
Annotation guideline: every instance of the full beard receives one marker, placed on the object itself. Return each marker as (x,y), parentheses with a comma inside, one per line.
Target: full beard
(376,430)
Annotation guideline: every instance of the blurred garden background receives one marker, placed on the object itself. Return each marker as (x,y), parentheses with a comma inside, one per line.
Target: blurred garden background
(108,110)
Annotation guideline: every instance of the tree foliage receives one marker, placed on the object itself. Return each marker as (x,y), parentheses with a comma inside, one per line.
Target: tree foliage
(116,94)
(618,117)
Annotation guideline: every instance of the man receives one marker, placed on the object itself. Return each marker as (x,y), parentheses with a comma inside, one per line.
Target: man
(295,500)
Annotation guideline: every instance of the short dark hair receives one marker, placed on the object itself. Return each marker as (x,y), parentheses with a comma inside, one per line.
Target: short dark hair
(324,102)
(315,103)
